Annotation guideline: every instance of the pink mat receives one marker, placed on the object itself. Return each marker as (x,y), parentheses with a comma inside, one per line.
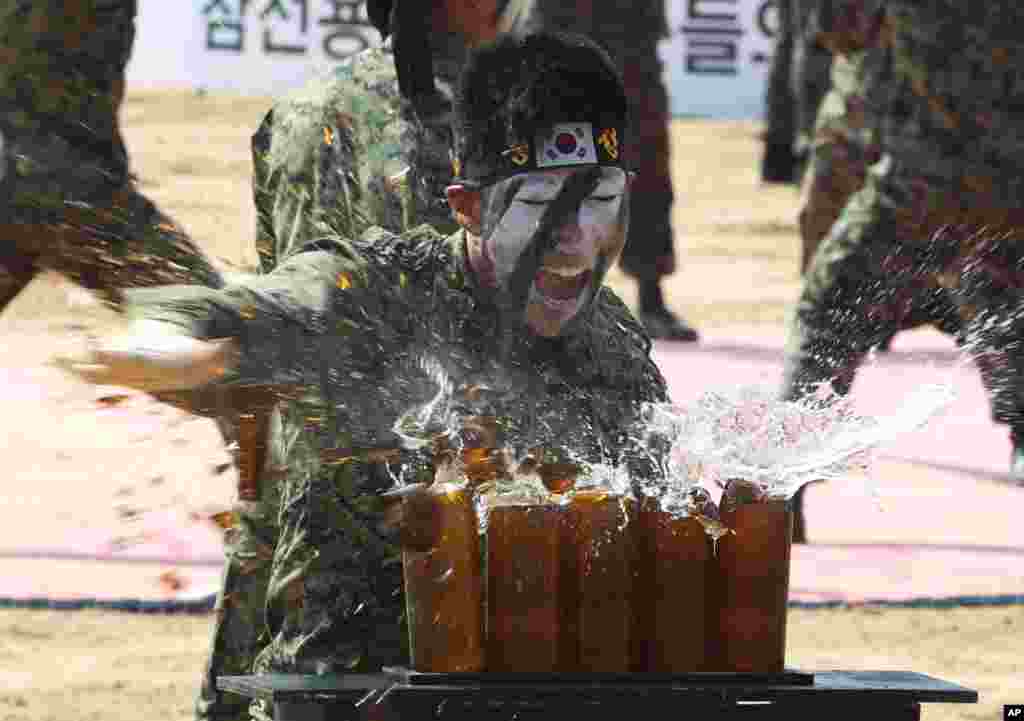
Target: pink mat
(111,501)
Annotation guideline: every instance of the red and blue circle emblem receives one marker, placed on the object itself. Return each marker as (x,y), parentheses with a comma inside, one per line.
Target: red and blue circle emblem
(566,143)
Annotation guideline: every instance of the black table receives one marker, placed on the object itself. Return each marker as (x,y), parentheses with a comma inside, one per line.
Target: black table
(832,696)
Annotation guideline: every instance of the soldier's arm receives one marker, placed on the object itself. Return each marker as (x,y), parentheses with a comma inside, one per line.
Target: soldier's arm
(846,26)
(283,329)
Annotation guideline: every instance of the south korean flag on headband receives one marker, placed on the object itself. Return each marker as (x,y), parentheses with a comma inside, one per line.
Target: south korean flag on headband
(566,144)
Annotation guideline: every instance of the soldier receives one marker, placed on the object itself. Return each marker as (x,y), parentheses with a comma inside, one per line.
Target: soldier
(950,157)
(630,32)
(510,308)
(367,144)
(67,200)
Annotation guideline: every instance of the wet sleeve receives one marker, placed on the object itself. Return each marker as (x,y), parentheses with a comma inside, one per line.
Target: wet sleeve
(312,315)
(846,26)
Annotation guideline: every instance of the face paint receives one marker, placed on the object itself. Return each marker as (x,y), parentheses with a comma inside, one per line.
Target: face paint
(547,240)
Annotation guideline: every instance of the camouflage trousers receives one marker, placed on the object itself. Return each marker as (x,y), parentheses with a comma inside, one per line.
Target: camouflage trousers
(240,627)
(239,630)
(836,169)
(896,258)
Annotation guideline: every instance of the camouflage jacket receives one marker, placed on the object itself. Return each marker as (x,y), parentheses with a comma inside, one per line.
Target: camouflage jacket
(954,124)
(346,152)
(369,331)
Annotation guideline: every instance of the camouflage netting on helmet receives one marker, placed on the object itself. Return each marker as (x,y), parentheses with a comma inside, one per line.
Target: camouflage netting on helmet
(523,85)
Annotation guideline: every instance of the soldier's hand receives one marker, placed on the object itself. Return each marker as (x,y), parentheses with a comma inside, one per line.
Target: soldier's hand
(152,357)
(411,515)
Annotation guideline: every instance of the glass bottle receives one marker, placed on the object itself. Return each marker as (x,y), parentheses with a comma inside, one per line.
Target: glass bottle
(669,606)
(752,585)
(523,555)
(598,581)
(444,587)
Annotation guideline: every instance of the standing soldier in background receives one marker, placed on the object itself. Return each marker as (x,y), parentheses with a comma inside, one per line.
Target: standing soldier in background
(367,144)
(630,30)
(68,202)
(934,233)
(779,163)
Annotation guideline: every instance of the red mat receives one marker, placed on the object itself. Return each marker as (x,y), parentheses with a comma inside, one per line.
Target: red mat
(108,497)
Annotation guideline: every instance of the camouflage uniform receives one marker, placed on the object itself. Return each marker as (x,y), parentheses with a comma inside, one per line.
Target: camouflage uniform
(953,154)
(356,326)
(67,200)
(845,143)
(630,32)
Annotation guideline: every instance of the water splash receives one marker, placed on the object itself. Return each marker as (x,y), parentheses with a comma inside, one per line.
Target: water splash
(422,425)
(779,445)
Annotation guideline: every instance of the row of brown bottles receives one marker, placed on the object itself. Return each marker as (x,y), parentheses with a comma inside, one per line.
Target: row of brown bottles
(600,586)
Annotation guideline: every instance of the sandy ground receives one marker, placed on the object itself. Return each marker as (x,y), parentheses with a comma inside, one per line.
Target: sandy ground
(738,249)
(90,665)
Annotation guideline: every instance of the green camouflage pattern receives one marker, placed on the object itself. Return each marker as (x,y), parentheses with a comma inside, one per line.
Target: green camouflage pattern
(811,75)
(333,158)
(952,136)
(630,31)
(846,141)
(366,331)
(346,152)
(67,200)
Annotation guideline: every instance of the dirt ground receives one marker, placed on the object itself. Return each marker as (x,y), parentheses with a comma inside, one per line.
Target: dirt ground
(95,666)
(737,248)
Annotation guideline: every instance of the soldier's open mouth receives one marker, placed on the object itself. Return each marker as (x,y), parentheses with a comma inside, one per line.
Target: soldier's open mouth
(561,284)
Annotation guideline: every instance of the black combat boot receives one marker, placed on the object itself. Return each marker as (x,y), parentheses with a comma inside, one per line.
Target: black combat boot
(779,164)
(658,320)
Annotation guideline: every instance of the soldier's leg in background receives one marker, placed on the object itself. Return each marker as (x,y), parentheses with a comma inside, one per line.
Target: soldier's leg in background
(986,292)
(851,299)
(779,163)
(835,171)
(649,255)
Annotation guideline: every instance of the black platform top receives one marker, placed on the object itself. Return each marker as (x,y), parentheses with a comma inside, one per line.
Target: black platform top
(887,686)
